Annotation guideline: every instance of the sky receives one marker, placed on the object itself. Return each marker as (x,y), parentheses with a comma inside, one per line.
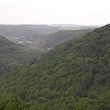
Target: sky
(83,12)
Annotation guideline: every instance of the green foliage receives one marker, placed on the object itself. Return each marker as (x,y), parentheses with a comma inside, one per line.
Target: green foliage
(73,76)
(13,56)
(14,103)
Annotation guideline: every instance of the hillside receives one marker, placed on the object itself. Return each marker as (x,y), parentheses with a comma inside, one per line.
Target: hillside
(13,55)
(42,36)
(73,76)
(53,39)
(62,36)
(5,42)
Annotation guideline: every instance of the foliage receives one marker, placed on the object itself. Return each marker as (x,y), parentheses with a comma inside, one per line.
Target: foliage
(73,76)
(13,55)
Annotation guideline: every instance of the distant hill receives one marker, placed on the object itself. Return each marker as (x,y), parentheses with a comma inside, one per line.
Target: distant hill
(73,76)
(63,36)
(13,55)
(22,30)
(42,36)
(50,40)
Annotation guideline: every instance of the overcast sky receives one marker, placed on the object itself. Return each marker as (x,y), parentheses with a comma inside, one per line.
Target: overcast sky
(84,12)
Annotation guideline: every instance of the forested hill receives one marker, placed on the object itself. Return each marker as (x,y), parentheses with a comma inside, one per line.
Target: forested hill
(5,42)
(13,55)
(62,36)
(73,76)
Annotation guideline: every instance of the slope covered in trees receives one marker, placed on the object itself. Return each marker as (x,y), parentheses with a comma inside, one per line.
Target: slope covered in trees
(13,55)
(5,42)
(73,76)
(62,36)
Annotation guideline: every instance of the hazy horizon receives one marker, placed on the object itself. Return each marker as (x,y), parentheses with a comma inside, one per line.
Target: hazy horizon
(47,12)
(53,24)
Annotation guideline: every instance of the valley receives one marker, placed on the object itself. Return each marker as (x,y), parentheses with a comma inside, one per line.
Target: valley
(43,36)
(74,75)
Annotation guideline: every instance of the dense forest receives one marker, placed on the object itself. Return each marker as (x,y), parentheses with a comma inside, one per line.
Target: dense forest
(13,55)
(73,76)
